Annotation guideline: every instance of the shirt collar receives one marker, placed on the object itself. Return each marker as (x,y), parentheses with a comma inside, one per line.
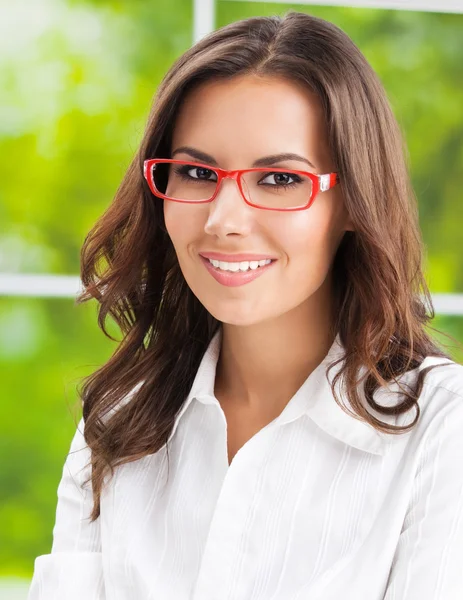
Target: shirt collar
(314,399)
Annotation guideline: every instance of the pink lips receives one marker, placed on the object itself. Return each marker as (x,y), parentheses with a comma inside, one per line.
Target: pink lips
(233,279)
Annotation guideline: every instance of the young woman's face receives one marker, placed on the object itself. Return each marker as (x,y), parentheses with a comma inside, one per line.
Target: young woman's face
(237,122)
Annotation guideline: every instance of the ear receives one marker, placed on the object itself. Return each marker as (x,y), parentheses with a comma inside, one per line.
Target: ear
(348,225)
(346,218)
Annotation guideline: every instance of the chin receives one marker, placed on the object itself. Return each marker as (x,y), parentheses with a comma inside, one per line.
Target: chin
(244,318)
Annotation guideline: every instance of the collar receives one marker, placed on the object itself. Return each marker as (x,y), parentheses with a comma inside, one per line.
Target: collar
(314,399)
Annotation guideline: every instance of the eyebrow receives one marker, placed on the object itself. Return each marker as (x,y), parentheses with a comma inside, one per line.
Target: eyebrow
(265,161)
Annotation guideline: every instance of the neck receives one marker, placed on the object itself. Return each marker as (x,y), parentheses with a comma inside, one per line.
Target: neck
(262,366)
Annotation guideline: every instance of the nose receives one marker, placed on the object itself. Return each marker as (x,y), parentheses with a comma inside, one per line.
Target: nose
(228,212)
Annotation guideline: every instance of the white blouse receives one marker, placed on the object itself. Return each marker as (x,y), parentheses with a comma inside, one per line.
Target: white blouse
(317,505)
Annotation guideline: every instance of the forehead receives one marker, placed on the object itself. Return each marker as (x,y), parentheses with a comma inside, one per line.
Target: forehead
(243,118)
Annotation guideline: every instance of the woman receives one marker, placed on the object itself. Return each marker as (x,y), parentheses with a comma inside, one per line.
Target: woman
(265,231)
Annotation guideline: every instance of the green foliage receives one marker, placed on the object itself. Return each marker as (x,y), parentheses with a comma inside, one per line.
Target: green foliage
(77,86)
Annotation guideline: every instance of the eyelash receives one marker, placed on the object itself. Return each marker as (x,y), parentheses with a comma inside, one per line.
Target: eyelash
(183,173)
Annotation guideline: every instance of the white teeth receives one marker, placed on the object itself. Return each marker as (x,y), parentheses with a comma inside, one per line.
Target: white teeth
(239,266)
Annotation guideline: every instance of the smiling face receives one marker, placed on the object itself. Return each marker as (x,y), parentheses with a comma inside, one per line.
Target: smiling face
(237,122)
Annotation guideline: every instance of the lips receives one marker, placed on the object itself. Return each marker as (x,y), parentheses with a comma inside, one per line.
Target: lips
(235,278)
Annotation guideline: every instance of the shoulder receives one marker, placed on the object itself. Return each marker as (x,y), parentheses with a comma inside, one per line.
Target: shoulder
(441,397)
(445,376)
(440,403)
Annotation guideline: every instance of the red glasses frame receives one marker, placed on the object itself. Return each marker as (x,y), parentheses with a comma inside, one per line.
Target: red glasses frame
(320,183)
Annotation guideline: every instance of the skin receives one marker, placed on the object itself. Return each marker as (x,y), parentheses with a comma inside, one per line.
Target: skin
(276,329)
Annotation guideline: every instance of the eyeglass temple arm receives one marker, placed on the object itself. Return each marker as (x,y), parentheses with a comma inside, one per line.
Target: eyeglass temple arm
(327,181)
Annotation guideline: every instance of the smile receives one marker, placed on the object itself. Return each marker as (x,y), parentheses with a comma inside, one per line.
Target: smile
(239,273)
(234,267)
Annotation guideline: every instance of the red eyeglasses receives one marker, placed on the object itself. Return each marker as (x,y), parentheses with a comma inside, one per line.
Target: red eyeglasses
(268,189)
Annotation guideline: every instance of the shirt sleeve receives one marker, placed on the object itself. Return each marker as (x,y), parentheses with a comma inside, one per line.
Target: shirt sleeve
(428,563)
(73,570)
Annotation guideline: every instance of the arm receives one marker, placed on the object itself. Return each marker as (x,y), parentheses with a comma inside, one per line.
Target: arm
(73,570)
(428,564)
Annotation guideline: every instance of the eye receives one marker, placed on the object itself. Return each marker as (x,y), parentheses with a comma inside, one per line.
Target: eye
(281,179)
(201,172)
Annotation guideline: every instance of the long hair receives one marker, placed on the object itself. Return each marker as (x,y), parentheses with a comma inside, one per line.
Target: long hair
(129,264)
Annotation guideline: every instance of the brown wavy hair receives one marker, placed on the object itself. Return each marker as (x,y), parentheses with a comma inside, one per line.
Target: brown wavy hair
(129,264)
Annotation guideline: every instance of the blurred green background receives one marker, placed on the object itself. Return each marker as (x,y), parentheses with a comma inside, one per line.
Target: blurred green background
(77,80)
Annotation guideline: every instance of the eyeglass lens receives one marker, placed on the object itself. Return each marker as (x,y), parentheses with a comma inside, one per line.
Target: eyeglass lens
(266,188)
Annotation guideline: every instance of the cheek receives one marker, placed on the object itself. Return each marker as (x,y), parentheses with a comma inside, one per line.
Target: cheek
(307,241)
(182,225)
(171,219)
